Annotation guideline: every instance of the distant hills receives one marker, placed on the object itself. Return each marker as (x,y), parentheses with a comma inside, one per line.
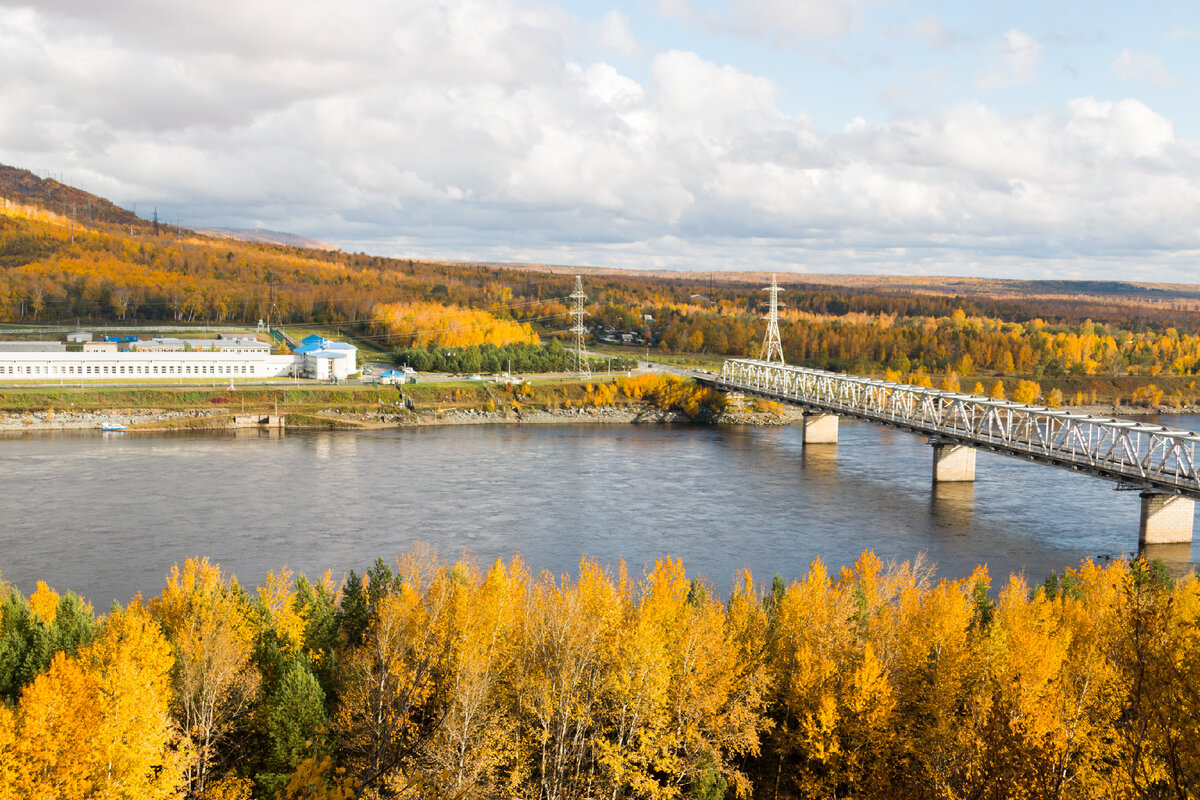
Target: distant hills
(264,236)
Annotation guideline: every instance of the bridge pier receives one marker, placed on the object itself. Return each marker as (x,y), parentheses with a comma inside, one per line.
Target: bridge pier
(953,462)
(1166,518)
(820,428)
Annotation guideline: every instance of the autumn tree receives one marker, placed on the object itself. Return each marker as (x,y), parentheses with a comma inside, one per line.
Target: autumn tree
(211,629)
(98,724)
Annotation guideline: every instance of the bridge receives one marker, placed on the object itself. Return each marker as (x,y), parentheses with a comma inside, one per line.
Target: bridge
(1159,462)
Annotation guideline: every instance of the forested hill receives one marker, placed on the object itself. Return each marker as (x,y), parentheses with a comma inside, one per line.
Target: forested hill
(22,186)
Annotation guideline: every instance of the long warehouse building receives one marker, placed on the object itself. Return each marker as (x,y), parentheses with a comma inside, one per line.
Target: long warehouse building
(175,364)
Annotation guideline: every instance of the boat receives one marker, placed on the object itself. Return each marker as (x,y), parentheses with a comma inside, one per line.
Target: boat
(113,427)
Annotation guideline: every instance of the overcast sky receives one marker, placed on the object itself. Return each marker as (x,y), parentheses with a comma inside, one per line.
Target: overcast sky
(1011,139)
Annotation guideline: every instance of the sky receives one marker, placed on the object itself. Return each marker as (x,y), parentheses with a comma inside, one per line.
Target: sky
(1045,139)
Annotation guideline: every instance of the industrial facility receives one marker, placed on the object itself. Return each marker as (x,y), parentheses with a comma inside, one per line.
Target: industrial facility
(228,357)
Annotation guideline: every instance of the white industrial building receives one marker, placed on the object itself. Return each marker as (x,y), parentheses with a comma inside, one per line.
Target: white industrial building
(140,366)
(223,359)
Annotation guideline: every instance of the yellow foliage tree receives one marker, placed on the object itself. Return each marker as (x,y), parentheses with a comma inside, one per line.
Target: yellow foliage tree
(98,724)
(1026,391)
(212,632)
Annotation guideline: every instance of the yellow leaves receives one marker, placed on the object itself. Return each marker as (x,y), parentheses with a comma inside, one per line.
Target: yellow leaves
(212,633)
(44,602)
(98,724)
(277,594)
(231,787)
(434,325)
(1027,391)
(8,754)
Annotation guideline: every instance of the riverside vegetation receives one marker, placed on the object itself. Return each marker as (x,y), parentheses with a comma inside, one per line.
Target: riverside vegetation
(429,679)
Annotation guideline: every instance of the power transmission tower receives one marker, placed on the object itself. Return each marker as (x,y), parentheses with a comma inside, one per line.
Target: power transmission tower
(772,349)
(577,314)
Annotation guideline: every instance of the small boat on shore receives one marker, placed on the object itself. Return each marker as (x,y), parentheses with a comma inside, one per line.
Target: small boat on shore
(112,427)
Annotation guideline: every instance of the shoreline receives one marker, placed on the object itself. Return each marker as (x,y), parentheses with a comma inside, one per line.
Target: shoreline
(158,421)
(161,420)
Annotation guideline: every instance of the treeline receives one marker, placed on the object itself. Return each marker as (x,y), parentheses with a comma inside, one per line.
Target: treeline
(434,680)
(491,359)
(967,345)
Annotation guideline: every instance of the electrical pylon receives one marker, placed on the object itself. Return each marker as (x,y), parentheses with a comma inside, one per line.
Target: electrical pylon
(772,349)
(578,312)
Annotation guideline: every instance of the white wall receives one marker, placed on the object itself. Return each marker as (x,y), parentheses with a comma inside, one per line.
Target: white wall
(144,366)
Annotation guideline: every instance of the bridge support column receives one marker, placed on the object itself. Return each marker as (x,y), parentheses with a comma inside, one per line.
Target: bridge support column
(820,428)
(1166,518)
(953,462)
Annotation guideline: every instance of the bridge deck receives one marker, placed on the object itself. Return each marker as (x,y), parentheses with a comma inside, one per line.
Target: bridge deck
(1136,454)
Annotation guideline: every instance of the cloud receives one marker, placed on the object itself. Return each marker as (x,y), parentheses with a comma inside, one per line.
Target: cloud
(1014,61)
(463,130)
(930,30)
(1179,33)
(787,19)
(1144,67)
(612,33)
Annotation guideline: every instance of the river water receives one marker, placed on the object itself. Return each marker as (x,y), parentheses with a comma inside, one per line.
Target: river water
(106,515)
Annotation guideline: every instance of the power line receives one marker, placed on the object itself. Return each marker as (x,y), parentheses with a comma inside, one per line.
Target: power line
(578,312)
(772,348)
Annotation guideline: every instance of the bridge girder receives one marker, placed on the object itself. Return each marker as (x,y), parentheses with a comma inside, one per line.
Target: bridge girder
(1151,457)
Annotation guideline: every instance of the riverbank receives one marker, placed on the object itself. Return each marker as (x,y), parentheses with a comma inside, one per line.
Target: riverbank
(324,407)
(211,419)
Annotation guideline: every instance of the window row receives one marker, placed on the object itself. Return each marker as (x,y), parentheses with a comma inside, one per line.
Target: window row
(127,369)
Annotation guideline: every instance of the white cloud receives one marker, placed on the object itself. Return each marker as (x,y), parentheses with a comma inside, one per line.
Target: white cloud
(1014,61)
(929,29)
(460,130)
(1145,67)
(1179,32)
(786,19)
(613,33)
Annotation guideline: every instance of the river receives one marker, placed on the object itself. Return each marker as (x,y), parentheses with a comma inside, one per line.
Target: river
(106,515)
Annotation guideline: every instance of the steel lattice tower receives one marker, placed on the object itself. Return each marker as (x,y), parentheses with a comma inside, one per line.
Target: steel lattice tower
(772,349)
(579,329)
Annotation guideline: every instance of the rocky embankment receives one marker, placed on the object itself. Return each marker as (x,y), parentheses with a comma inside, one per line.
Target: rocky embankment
(158,419)
(94,420)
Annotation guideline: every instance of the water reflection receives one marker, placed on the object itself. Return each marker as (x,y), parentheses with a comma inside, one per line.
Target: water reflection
(1177,558)
(952,504)
(820,461)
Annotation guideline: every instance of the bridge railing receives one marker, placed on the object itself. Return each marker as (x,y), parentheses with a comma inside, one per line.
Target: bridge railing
(1142,454)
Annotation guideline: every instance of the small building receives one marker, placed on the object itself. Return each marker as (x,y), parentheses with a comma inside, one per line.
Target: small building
(392,376)
(79,336)
(99,347)
(325,359)
(325,365)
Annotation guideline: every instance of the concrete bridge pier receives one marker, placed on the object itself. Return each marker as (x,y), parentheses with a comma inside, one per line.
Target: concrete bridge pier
(1166,519)
(952,462)
(820,428)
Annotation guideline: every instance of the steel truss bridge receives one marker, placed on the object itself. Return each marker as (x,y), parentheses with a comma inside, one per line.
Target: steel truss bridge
(1136,455)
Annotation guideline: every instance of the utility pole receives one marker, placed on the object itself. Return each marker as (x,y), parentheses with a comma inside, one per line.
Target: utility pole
(579,329)
(772,349)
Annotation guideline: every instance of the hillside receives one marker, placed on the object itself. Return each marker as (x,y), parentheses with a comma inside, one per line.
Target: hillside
(22,186)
